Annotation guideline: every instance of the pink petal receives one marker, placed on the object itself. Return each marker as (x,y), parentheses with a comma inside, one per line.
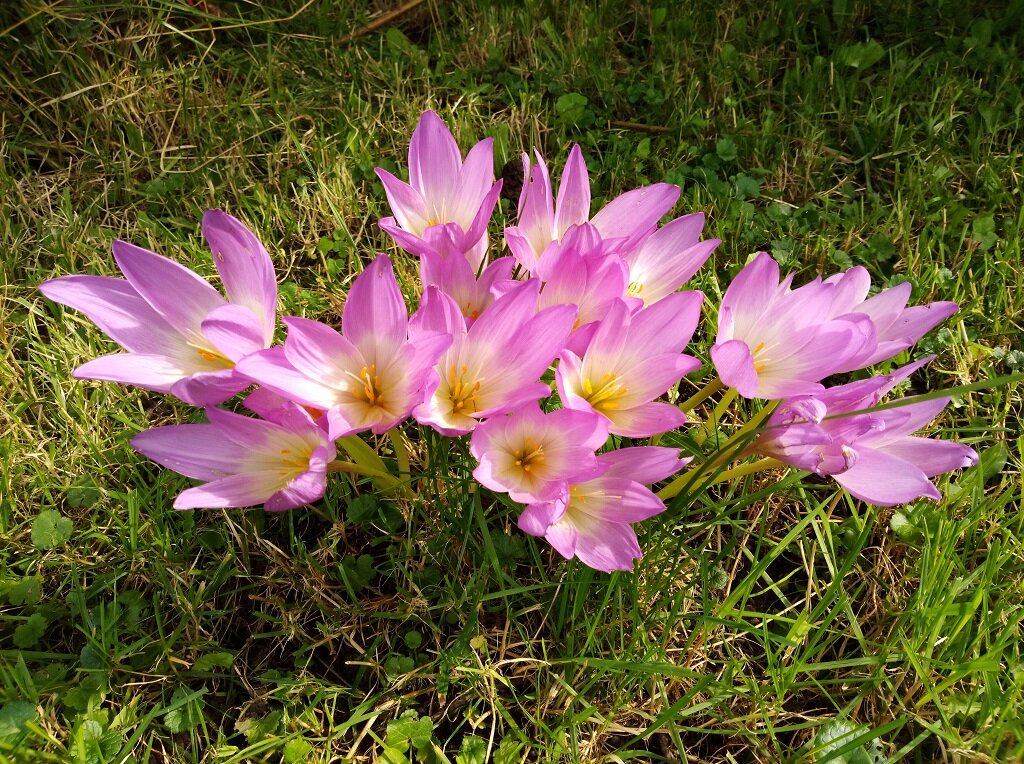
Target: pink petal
(245,268)
(406,203)
(210,387)
(573,205)
(244,490)
(646,420)
(375,318)
(175,292)
(152,372)
(750,293)
(536,518)
(606,546)
(303,489)
(271,369)
(234,331)
(613,500)
(199,451)
(119,311)
(635,212)
(735,366)
(884,480)
(321,353)
(644,464)
(434,160)
(933,457)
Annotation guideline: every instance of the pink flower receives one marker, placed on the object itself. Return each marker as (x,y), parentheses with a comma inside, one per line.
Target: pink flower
(454,276)
(592,522)
(668,258)
(280,464)
(368,378)
(774,342)
(873,455)
(496,364)
(533,456)
(632,360)
(627,219)
(181,336)
(897,327)
(442,189)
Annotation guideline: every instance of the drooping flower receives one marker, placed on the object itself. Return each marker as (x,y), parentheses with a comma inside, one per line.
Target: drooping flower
(874,455)
(897,327)
(181,336)
(534,456)
(281,464)
(668,258)
(631,360)
(592,522)
(496,364)
(371,375)
(774,342)
(442,189)
(627,219)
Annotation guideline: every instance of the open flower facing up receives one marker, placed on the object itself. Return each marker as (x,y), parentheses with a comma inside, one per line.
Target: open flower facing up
(245,461)
(897,327)
(874,455)
(774,342)
(592,521)
(627,219)
(442,189)
(668,258)
(534,456)
(181,336)
(367,378)
(631,360)
(496,364)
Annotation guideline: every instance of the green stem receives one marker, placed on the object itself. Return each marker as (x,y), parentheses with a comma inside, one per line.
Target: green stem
(703,394)
(355,469)
(401,452)
(708,428)
(750,468)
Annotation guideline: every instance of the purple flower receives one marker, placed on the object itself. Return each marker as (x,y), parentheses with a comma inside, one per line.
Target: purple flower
(454,276)
(897,327)
(632,360)
(496,364)
(774,342)
(592,521)
(668,258)
(873,455)
(181,336)
(281,464)
(367,378)
(533,456)
(442,189)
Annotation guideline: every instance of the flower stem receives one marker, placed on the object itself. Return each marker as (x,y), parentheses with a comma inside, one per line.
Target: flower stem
(355,469)
(708,428)
(702,395)
(401,452)
(750,468)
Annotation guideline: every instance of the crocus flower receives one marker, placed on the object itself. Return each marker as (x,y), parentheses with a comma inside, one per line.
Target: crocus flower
(592,521)
(533,456)
(455,277)
(181,336)
(244,461)
(442,189)
(774,342)
(668,258)
(627,219)
(371,375)
(631,360)
(873,455)
(496,364)
(897,327)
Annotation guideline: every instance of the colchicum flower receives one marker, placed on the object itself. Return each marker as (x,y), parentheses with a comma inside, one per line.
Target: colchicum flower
(533,456)
(244,461)
(592,521)
(632,360)
(367,378)
(495,365)
(668,258)
(442,189)
(181,336)
(897,327)
(774,342)
(874,454)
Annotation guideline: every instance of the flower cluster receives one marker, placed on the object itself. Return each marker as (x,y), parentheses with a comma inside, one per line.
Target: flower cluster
(593,296)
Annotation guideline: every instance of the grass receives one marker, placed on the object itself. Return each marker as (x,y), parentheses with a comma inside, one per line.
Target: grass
(768,617)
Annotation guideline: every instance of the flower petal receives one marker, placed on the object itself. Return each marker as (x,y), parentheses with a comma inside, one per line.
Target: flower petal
(375,318)
(243,490)
(199,451)
(884,480)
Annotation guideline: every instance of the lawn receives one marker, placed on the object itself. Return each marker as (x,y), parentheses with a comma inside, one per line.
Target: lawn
(775,619)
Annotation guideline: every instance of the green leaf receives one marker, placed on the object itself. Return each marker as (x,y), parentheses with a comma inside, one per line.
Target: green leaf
(983,231)
(50,530)
(361,510)
(473,750)
(186,717)
(92,658)
(859,56)
(28,591)
(296,750)
(413,639)
(14,716)
(747,187)
(208,661)
(29,633)
(409,727)
(725,148)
